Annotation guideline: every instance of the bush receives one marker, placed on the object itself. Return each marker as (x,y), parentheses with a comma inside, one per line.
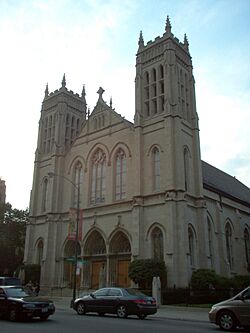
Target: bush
(204,279)
(142,271)
(241,281)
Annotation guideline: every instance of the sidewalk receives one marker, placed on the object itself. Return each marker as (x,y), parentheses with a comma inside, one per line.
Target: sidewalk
(164,311)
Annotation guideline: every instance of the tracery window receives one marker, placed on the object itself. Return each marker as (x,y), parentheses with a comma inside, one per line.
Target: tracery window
(98,181)
(120,176)
(120,244)
(95,244)
(229,245)
(157,243)
(156,169)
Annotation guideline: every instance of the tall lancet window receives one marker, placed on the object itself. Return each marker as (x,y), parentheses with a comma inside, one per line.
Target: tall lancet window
(98,180)
(157,243)
(191,245)
(210,242)
(156,169)
(247,245)
(186,169)
(78,181)
(45,195)
(120,177)
(229,245)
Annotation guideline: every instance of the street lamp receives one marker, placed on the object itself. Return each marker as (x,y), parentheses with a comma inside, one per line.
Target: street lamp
(77,186)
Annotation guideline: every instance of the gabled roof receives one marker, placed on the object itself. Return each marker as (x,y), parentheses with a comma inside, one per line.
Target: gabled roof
(221,182)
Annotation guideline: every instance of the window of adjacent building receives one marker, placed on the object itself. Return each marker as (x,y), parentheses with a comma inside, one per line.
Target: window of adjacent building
(156,169)
(229,245)
(247,246)
(120,175)
(44,194)
(98,179)
(191,245)
(157,243)
(78,181)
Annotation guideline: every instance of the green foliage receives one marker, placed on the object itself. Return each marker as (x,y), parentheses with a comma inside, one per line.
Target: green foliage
(204,279)
(12,238)
(241,281)
(142,271)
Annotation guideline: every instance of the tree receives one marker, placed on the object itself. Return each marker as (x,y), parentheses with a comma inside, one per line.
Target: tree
(142,271)
(12,238)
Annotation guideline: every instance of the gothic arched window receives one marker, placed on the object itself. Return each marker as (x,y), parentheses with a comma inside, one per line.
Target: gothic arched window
(120,175)
(156,169)
(45,195)
(247,245)
(229,245)
(191,245)
(98,180)
(39,253)
(210,241)
(157,243)
(78,181)
(186,169)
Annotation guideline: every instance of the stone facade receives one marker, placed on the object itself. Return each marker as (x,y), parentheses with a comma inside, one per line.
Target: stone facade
(2,191)
(140,189)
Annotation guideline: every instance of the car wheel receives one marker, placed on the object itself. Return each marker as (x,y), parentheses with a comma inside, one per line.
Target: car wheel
(142,316)
(121,311)
(13,314)
(227,321)
(80,308)
(43,318)
(101,314)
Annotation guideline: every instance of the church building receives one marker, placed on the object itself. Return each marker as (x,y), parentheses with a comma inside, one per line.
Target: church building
(137,189)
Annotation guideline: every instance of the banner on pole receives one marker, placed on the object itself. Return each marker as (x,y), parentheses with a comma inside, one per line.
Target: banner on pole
(73,224)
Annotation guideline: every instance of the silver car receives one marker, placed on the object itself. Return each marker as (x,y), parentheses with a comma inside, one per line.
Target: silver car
(232,313)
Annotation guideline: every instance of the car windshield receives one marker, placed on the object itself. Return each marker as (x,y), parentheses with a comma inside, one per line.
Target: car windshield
(17,292)
(135,292)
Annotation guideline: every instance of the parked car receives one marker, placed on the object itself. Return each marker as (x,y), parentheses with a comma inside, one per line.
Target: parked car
(10,281)
(120,301)
(232,313)
(18,303)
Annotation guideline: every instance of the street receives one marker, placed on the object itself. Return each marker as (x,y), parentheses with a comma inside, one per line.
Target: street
(69,321)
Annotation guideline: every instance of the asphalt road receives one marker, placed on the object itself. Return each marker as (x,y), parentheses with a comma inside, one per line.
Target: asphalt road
(66,321)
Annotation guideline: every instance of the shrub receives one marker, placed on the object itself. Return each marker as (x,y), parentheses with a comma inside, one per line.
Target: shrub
(204,279)
(142,271)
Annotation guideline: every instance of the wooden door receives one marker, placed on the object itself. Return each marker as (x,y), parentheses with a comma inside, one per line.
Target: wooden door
(95,277)
(122,271)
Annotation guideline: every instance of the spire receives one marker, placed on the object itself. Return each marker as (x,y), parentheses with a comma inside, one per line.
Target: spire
(168,26)
(83,95)
(186,44)
(110,103)
(64,81)
(83,92)
(46,90)
(141,41)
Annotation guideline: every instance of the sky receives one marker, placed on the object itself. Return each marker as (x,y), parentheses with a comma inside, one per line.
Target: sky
(94,42)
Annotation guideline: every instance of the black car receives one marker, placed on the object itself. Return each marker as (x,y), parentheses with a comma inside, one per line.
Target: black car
(120,301)
(17,303)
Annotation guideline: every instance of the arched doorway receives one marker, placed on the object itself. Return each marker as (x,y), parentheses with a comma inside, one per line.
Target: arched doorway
(69,263)
(95,253)
(120,257)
